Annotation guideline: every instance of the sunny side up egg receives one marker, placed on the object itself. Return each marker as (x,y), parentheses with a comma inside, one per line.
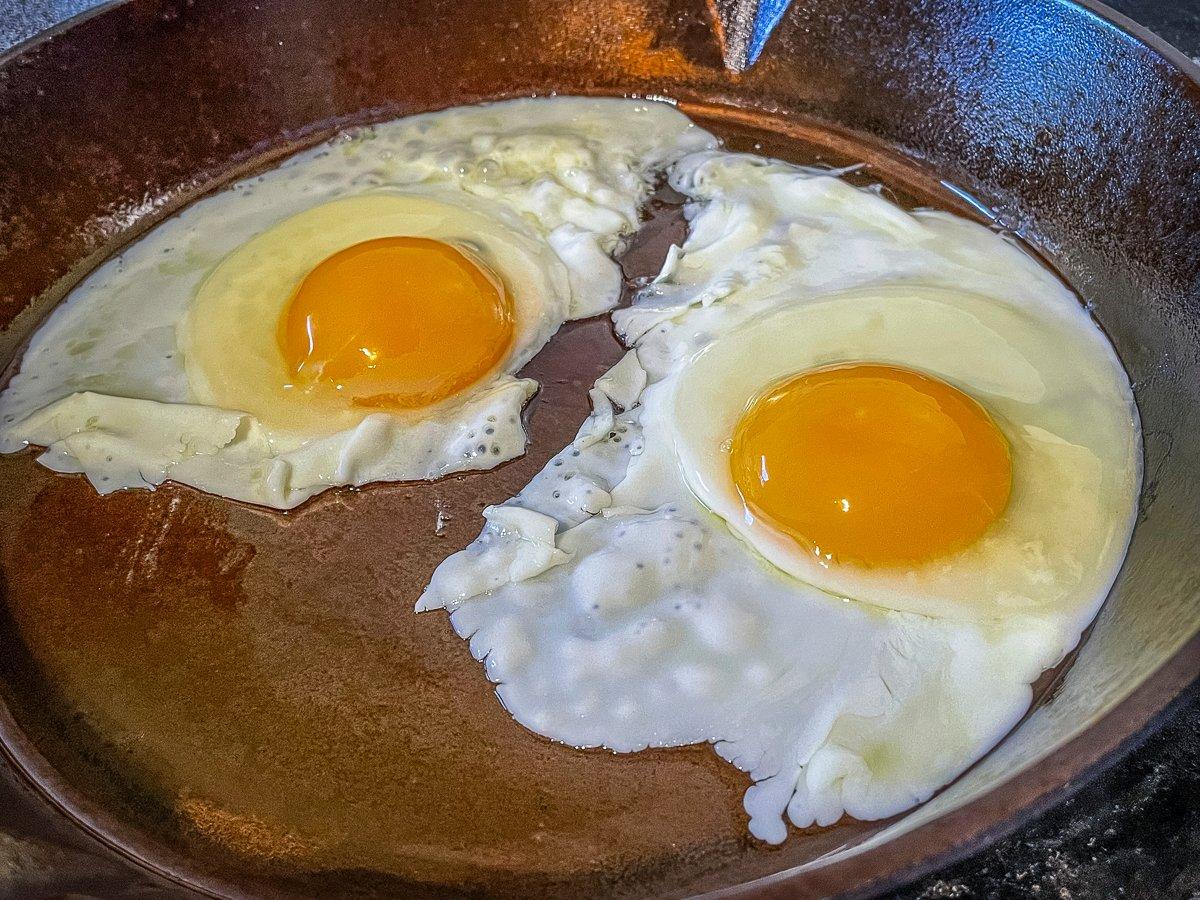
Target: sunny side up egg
(863,475)
(357,314)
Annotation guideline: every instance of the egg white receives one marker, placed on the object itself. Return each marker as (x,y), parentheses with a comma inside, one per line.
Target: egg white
(1050,382)
(160,365)
(620,600)
(241,303)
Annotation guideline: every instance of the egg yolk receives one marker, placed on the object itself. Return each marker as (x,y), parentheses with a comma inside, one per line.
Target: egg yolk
(871,465)
(396,322)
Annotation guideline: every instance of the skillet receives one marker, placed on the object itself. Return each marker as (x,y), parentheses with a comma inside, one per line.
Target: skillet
(1047,117)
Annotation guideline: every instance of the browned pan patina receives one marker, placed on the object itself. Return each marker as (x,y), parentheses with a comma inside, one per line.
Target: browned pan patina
(243,701)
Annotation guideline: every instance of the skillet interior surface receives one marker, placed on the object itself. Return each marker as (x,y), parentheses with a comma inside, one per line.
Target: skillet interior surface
(251,691)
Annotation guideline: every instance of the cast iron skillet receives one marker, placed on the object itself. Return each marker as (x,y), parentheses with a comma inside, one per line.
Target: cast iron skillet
(255,711)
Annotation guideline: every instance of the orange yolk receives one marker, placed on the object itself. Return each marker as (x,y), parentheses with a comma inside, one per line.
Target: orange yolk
(397,321)
(871,464)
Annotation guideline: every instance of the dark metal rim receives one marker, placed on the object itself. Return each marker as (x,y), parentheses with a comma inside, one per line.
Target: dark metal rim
(953,836)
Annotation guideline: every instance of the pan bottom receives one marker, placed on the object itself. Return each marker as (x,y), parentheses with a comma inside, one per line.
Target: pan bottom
(244,700)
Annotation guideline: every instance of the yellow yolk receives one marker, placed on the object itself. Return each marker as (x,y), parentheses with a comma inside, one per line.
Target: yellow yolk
(871,464)
(398,321)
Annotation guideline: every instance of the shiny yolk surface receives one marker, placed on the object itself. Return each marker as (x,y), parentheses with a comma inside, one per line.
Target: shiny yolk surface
(396,322)
(872,465)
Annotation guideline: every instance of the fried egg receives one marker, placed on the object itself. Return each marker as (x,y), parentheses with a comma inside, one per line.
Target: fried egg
(862,476)
(983,450)
(357,314)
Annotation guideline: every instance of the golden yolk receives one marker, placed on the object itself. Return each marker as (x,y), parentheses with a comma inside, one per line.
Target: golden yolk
(397,321)
(872,465)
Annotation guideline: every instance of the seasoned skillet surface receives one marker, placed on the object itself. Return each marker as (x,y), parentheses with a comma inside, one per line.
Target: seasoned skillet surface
(1132,828)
